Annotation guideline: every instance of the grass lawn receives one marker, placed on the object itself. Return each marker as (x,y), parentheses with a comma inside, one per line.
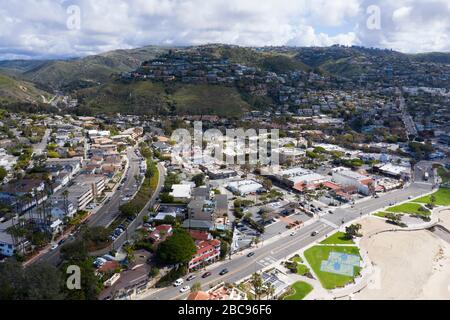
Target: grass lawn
(337,238)
(383,214)
(410,208)
(442,197)
(301,290)
(316,254)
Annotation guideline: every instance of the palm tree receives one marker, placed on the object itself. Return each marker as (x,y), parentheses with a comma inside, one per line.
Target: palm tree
(257,284)
(270,291)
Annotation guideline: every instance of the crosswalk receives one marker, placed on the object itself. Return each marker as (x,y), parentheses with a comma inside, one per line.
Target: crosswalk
(267,261)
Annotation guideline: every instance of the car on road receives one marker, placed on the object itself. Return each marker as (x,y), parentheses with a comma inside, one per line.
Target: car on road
(330,212)
(178,282)
(206,275)
(191,277)
(184,289)
(54,247)
(223,272)
(314,233)
(251,254)
(293,233)
(61,242)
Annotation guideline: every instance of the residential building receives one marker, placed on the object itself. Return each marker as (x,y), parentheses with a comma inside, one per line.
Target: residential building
(208,252)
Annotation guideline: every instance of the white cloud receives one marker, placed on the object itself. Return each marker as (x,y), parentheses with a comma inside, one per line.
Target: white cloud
(38,27)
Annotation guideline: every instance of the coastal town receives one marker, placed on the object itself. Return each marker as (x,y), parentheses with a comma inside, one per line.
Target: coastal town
(113,194)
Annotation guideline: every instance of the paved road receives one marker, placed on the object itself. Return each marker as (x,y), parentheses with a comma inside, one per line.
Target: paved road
(39,148)
(109,211)
(407,119)
(140,218)
(240,266)
(373,204)
(441,233)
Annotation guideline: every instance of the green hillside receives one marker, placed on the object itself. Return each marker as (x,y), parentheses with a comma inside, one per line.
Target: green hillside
(14,91)
(92,70)
(266,61)
(209,99)
(145,97)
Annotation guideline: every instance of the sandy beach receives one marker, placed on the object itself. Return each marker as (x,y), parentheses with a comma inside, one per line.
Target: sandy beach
(444,218)
(411,265)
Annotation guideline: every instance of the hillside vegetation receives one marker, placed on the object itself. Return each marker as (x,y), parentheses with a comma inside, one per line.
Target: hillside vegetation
(14,91)
(145,97)
(92,70)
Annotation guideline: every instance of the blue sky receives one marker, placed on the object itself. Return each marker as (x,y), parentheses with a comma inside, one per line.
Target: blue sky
(69,28)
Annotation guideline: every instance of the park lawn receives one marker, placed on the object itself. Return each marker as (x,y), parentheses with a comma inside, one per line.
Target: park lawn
(301,290)
(317,254)
(410,208)
(383,214)
(442,197)
(337,238)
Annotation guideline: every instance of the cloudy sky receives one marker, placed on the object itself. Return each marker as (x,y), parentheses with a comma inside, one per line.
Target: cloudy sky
(69,28)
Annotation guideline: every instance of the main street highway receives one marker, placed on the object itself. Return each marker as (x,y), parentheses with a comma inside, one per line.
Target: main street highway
(241,266)
(110,210)
(374,204)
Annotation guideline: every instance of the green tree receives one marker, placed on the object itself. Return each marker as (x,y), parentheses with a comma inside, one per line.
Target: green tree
(179,248)
(257,285)
(3,173)
(196,287)
(199,179)
(352,231)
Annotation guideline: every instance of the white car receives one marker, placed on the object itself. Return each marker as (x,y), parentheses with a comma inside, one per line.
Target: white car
(293,234)
(54,247)
(184,289)
(178,282)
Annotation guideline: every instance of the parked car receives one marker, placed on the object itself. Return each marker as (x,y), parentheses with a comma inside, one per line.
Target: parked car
(251,254)
(178,282)
(223,272)
(314,233)
(293,234)
(54,247)
(206,275)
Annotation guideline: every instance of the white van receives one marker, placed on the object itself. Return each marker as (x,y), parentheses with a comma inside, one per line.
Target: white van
(178,282)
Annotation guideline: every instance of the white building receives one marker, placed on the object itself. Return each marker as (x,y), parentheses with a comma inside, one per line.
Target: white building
(181,192)
(245,187)
(346,177)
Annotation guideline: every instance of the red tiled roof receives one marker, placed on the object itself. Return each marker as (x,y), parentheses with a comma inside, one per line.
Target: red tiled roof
(200,295)
(331,185)
(109,266)
(164,227)
(199,235)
